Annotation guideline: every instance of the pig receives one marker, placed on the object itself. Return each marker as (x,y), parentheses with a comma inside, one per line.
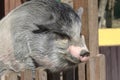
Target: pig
(42,33)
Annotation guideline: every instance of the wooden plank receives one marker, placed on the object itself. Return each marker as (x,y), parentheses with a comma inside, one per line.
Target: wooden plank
(118,62)
(90,23)
(12,4)
(7,6)
(107,52)
(101,59)
(40,74)
(69,74)
(114,65)
(9,75)
(53,76)
(109,37)
(108,63)
(18,2)
(26,74)
(91,69)
(93,26)
(96,68)
(81,71)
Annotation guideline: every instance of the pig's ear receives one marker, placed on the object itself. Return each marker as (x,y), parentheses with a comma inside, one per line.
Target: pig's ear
(80,12)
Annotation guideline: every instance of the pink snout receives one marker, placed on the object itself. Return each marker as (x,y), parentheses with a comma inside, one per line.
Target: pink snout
(79,53)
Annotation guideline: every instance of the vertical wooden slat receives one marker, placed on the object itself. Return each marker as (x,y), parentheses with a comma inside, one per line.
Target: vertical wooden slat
(69,74)
(26,75)
(114,65)
(53,76)
(81,71)
(118,57)
(102,65)
(10,75)
(7,6)
(93,26)
(18,2)
(12,4)
(40,74)
(91,69)
(96,68)
(107,52)
(108,63)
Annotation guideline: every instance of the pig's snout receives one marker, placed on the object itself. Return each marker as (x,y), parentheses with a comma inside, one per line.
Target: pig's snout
(79,53)
(84,53)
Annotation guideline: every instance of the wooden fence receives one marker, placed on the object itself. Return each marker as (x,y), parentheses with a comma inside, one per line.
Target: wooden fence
(71,74)
(79,72)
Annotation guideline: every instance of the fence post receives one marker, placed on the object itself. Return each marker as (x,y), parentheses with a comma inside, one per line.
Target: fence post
(96,68)
(26,74)
(53,76)
(9,75)
(81,71)
(41,74)
(70,74)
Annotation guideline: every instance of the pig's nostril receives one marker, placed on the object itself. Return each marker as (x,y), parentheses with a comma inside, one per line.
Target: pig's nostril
(84,53)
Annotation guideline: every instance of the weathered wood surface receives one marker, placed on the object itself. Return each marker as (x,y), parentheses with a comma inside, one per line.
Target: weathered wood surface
(40,74)
(96,68)
(82,71)
(26,75)
(112,55)
(9,76)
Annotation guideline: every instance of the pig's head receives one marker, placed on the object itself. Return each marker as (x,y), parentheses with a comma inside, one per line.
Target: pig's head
(43,33)
(65,46)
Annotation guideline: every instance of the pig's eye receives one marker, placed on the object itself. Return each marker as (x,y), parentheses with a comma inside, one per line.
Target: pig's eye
(63,35)
(48,29)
